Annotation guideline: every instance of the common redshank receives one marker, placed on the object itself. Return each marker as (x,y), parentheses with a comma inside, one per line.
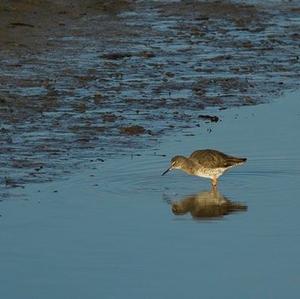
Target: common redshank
(206,163)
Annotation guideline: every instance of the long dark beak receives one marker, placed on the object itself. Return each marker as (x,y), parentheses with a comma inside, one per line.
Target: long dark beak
(167,170)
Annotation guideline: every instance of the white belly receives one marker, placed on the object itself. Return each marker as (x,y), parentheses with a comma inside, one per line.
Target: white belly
(210,173)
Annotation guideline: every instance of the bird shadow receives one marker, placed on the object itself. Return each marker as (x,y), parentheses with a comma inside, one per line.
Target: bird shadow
(206,205)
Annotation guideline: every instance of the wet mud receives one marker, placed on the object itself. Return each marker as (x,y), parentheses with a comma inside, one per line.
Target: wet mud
(88,80)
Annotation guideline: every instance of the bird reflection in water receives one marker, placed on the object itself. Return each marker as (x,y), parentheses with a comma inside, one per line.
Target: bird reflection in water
(207,204)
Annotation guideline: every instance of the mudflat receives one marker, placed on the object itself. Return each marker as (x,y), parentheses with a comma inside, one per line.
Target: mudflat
(88,80)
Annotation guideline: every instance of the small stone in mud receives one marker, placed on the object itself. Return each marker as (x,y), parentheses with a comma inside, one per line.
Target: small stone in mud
(15,24)
(221,57)
(247,44)
(11,183)
(24,163)
(169,74)
(134,130)
(249,100)
(98,98)
(148,54)
(81,107)
(38,168)
(241,22)
(116,56)
(197,32)
(4,130)
(295,36)
(109,117)
(212,118)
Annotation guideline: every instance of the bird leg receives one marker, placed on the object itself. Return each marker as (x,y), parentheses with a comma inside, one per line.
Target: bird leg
(214,182)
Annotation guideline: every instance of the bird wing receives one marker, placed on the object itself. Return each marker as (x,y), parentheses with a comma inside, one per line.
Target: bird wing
(214,159)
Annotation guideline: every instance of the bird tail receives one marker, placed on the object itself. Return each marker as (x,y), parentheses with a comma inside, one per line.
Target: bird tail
(235,160)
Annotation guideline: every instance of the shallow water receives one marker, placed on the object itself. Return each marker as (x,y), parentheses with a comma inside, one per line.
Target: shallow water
(110,232)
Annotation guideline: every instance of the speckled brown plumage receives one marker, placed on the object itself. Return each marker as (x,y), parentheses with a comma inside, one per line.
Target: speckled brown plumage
(206,163)
(215,159)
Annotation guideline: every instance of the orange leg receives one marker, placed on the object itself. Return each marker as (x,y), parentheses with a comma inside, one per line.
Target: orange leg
(214,182)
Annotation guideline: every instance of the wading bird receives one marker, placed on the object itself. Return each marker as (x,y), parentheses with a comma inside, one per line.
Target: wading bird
(206,163)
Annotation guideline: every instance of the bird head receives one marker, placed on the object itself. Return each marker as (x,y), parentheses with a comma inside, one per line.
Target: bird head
(176,163)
